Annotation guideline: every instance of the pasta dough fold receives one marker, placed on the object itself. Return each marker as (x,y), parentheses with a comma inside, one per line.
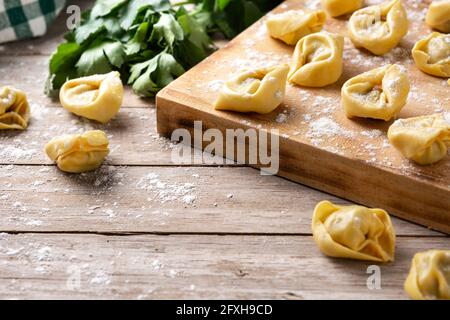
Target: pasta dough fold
(424,140)
(291,26)
(438,15)
(429,277)
(97,97)
(432,54)
(379,94)
(260,91)
(354,232)
(14,109)
(379,28)
(79,152)
(336,8)
(317,60)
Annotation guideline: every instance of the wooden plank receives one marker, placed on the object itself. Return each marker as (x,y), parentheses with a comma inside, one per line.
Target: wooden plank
(191,267)
(161,200)
(353,160)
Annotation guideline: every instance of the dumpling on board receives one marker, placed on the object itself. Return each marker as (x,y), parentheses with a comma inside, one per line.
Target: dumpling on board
(317,60)
(292,25)
(261,90)
(354,232)
(424,139)
(379,28)
(78,152)
(14,109)
(380,93)
(336,8)
(438,15)
(432,54)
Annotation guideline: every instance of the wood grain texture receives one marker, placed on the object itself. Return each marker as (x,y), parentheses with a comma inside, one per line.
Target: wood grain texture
(160,200)
(319,146)
(191,266)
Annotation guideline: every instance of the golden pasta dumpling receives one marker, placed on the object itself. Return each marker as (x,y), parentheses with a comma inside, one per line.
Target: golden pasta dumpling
(432,54)
(378,94)
(96,97)
(429,277)
(438,15)
(317,60)
(79,152)
(424,139)
(354,232)
(291,26)
(14,109)
(379,28)
(336,8)
(260,91)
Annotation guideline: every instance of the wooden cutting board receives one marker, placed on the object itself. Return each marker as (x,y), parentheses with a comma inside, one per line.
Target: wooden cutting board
(319,146)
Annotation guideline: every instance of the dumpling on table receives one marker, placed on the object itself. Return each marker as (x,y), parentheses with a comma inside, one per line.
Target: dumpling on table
(14,109)
(97,97)
(429,277)
(353,232)
(78,152)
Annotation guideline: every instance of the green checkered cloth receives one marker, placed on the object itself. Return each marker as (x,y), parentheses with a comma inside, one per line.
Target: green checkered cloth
(22,19)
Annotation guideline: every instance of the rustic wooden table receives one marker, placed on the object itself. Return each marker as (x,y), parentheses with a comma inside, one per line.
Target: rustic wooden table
(143,228)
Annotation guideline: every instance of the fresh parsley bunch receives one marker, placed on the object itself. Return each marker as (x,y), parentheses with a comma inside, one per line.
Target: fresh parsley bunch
(150,42)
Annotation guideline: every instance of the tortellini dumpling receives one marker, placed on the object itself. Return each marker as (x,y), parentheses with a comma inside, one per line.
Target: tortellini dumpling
(317,60)
(432,54)
(379,28)
(14,109)
(429,277)
(97,97)
(260,91)
(79,152)
(378,94)
(336,8)
(438,15)
(424,139)
(291,26)
(354,232)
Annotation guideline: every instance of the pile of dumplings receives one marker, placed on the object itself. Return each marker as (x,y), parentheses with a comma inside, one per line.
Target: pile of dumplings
(380,93)
(98,97)
(357,232)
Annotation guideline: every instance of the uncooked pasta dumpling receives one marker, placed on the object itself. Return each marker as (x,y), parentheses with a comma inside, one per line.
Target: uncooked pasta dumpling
(14,109)
(378,94)
(336,8)
(424,139)
(354,232)
(260,91)
(291,26)
(438,15)
(78,152)
(317,60)
(429,277)
(97,97)
(379,28)
(432,54)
